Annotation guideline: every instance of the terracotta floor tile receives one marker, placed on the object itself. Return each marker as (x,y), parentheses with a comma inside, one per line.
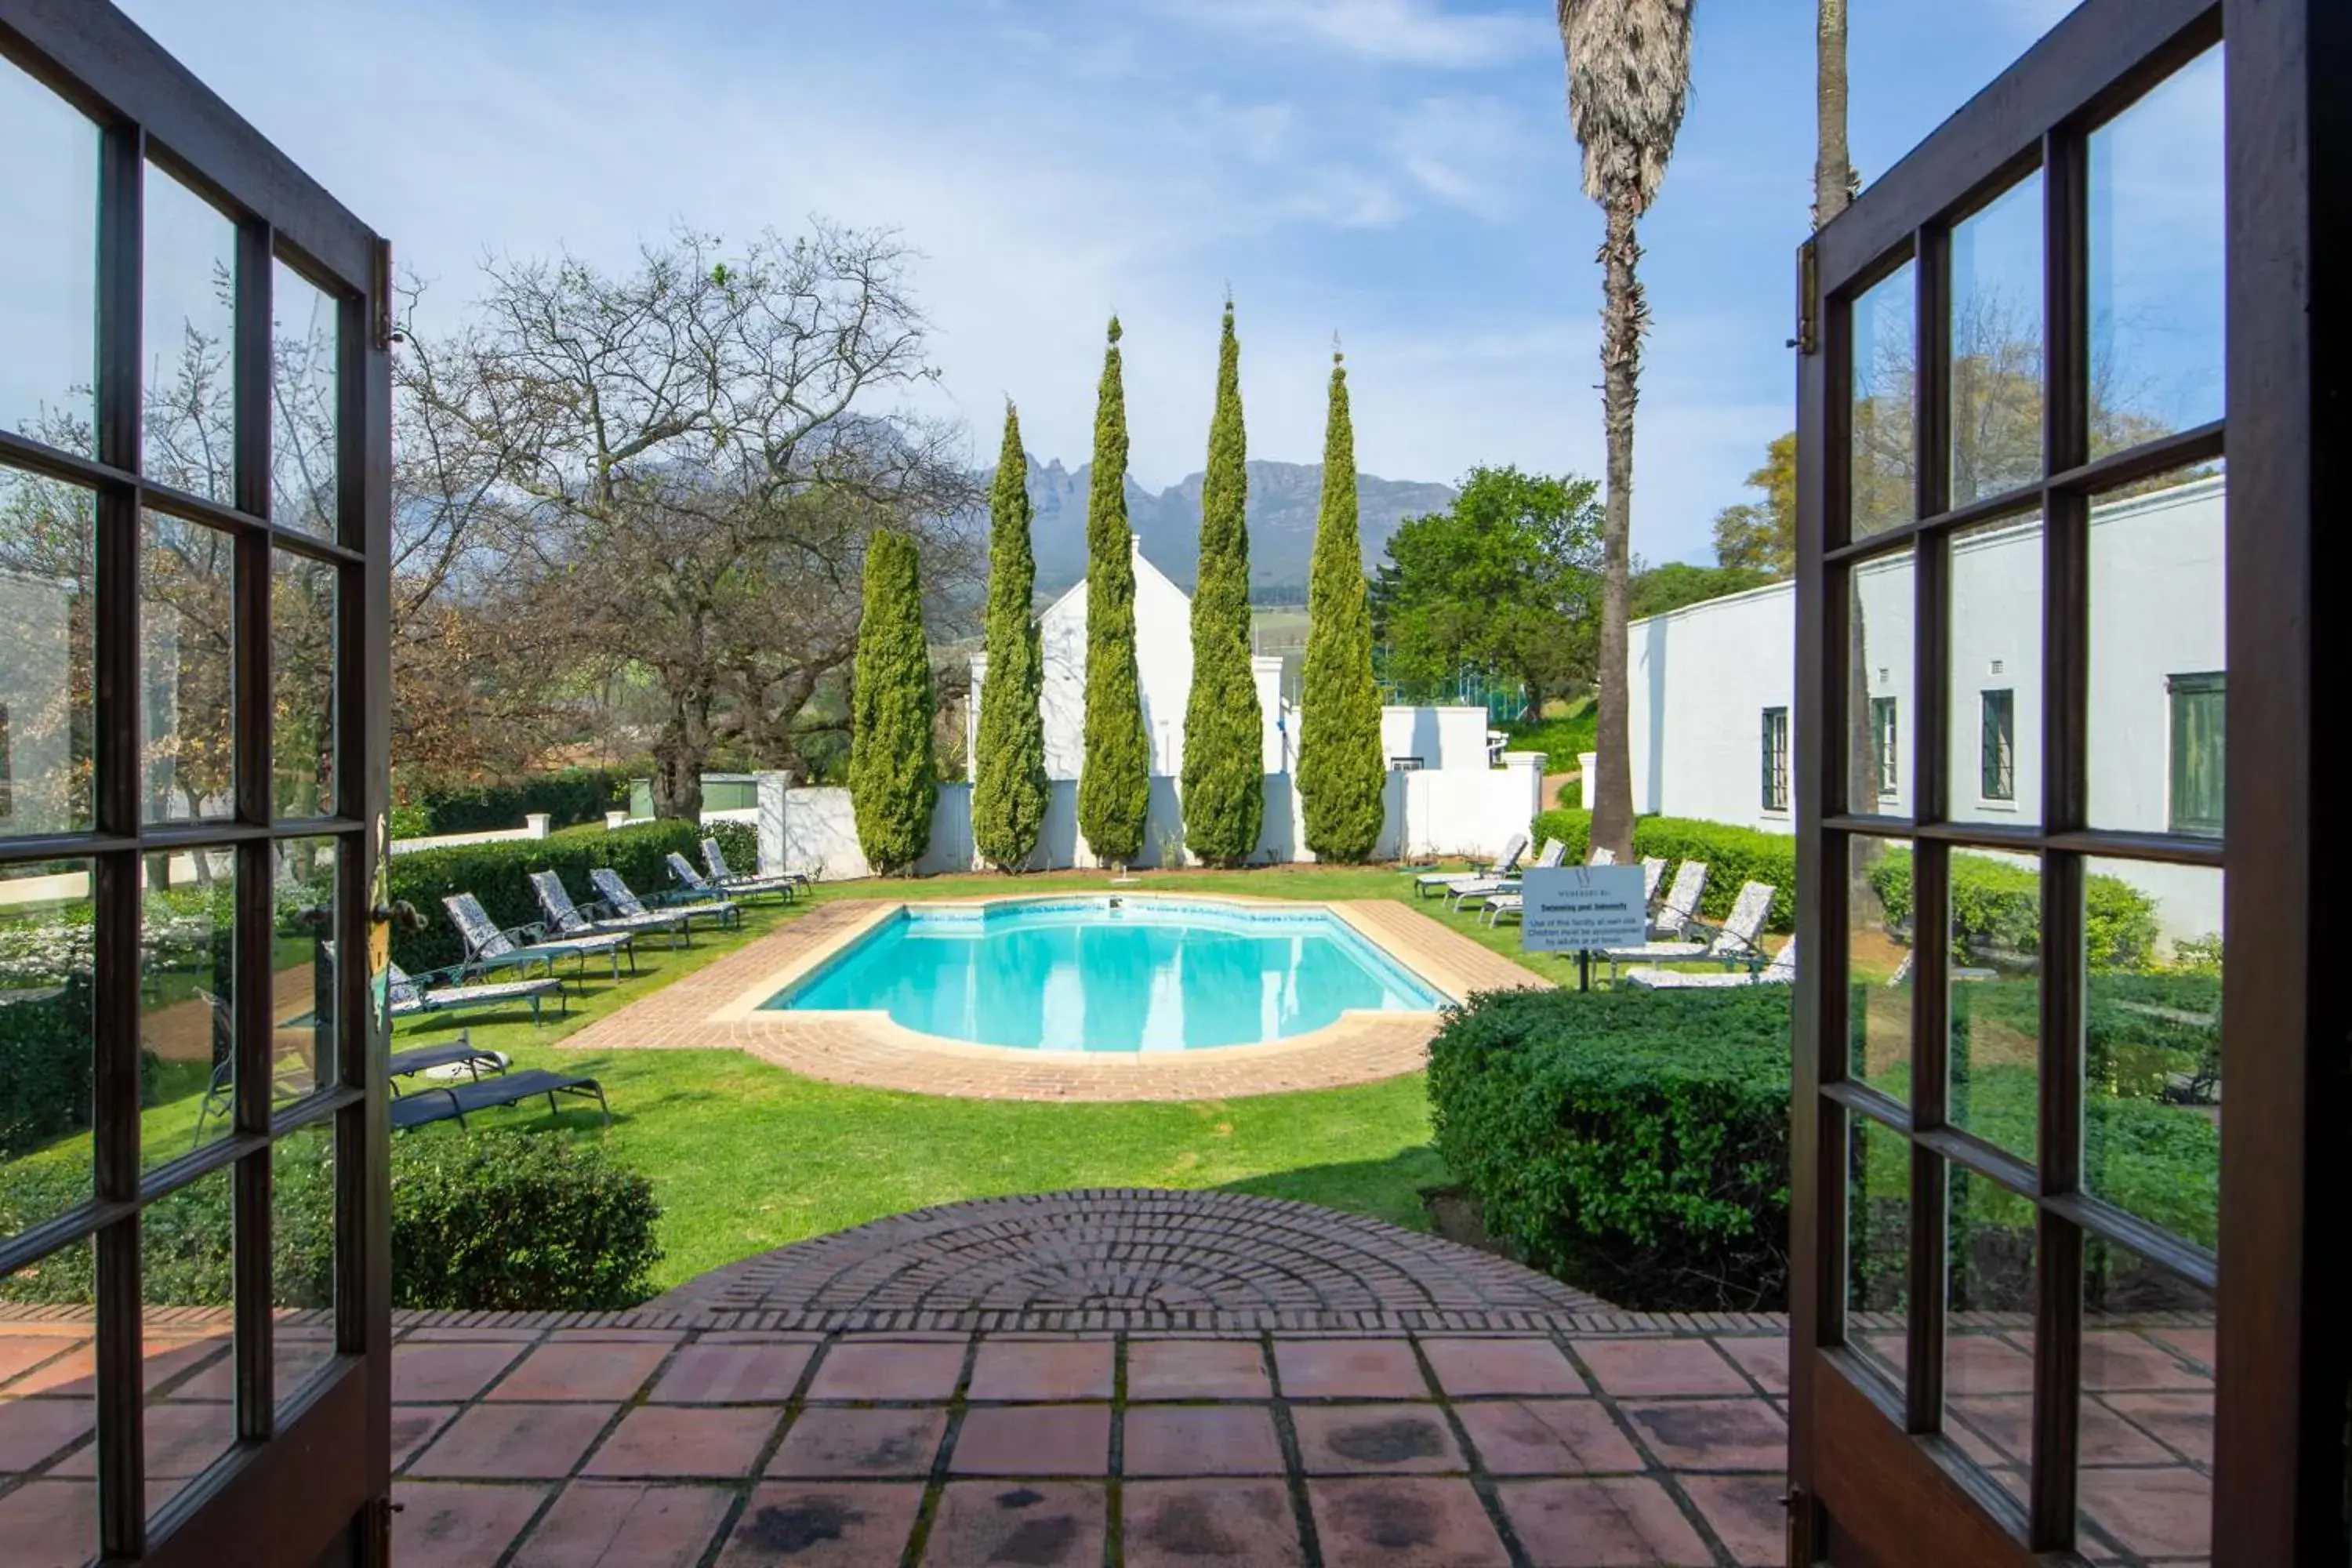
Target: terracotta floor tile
(1610,1522)
(1394,1522)
(33,1429)
(1375,1439)
(443,1524)
(1980,1364)
(437,1373)
(1199,1523)
(853,1370)
(1745,1513)
(1047,1523)
(513,1442)
(621,1524)
(734,1374)
(2122,1361)
(825,1442)
(1196,1369)
(837,1524)
(2197,1344)
(50,1524)
(2183,1420)
(1200,1440)
(1765,1360)
(1349,1369)
(414,1425)
(1712,1434)
(166,1358)
(21,1352)
(1043,1370)
(662,1440)
(74,1375)
(1522,1367)
(2159,1514)
(1548,1438)
(1034,1440)
(181,1439)
(1660,1366)
(567,1369)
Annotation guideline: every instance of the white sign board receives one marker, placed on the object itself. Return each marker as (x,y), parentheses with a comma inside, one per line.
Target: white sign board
(1570,909)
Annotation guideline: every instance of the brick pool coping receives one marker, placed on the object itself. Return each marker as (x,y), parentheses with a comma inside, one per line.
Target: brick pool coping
(717,1007)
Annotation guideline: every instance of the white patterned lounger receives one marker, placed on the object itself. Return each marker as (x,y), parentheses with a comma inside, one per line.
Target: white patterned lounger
(488,948)
(1782,970)
(1740,940)
(1462,889)
(1428,884)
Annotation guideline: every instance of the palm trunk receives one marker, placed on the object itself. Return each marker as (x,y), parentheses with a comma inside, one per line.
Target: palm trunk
(1621,317)
(1833,164)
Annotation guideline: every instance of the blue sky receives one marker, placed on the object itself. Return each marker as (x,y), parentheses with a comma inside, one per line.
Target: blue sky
(1399,171)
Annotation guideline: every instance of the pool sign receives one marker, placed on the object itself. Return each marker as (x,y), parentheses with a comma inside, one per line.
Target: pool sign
(1576,908)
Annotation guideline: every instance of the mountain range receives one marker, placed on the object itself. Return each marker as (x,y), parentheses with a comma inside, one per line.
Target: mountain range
(1283,501)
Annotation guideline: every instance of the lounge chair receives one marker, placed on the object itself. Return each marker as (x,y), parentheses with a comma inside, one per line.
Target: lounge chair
(620,897)
(1681,906)
(443,1102)
(725,877)
(1782,970)
(292,1073)
(488,948)
(415,995)
(1601,855)
(567,918)
(1654,871)
(1459,892)
(1740,940)
(1434,883)
(694,884)
(1954,971)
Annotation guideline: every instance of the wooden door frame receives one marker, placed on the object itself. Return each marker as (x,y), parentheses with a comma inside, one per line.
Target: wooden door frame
(2280,1473)
(308,1477)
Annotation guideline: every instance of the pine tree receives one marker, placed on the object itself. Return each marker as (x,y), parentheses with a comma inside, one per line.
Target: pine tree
(1224,754)
(1341,776)
(1115,778)
(1009,792)
(891,780)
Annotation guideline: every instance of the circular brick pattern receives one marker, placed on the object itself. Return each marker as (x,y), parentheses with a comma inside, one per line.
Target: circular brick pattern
(1129,1257)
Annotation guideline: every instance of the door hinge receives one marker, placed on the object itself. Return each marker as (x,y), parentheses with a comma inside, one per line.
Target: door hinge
(1808,290)
(382,281)
(1800,1527)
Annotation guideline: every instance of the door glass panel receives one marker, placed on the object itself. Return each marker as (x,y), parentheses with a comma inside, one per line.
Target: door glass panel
(2156,244)
(302,960)
(1878,963)
(1995,694)
(1885,366)
(187,645)
(49,1411)
(302,1257)
(2152,1043)
(1878,685)
(302,626)
(1878,1244)
(185,1250)
(1996,372)
(1988,1335)
(302,405)
(189,336)
(187,1000)
(2145,1485)
(45,1048)
(49,272)
(2158,657)
(1996,998)
(47,569)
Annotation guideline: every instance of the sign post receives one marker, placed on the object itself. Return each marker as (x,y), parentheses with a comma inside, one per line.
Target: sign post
(1582,910)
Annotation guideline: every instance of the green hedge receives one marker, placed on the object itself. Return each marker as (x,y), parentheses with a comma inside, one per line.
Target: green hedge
(484,1222)
(1636,1143)
(45,1068)
(1997,910)
(2145,1036)
(1734,855)
(1569,824)
(569,798)
(499,874)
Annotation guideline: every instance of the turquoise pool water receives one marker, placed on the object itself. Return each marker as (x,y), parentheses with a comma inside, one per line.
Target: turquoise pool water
(1094,975)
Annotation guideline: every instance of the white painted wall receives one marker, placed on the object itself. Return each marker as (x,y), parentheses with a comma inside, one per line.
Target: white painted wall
(1440,737)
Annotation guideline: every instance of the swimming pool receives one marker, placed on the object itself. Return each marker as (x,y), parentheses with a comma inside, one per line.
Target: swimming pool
(1111,973)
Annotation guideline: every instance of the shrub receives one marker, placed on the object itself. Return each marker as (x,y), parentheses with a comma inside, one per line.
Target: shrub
(892,785)
(739,841)
(1997,910)
(1343,775)
(1009,791)
(1114,772)
(499,874)
(569,798)
(1225,750)
(2145,1036)
(45,1068)
(1571,824)
(490,1222)
(1636,1143)
(1734,855)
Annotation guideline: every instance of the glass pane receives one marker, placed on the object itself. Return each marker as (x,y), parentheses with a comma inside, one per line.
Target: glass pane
(301,405)
(2145,1485)
(1996,374)
(302,960)
(1878,685)
(48,278)
(302,1255)
(44,1047)
(48,675)
(2156,248)
(1885,361)
(2152,1042)
(49,1414)
(302,673)
(187,645)
(1988,1333)
(189,320)
(1996,998)
(2158,658)
(1878,963)
(1879,1243)
(1996,673)
(185,1249)
(187,1001)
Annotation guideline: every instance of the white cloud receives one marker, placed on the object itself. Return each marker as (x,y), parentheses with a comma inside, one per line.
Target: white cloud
(1411,32)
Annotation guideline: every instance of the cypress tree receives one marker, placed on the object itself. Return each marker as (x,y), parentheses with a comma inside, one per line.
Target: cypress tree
(891,779)
(1224,755)
(1342,775)
(1115,776)
(1008,797)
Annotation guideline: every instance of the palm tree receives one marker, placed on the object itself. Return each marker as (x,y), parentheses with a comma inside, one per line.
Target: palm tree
(1628,82)
(1835,183)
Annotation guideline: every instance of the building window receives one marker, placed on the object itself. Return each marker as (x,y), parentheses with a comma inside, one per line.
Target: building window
(1998,768)
(1776,759)
(2197,752)
(1882,746)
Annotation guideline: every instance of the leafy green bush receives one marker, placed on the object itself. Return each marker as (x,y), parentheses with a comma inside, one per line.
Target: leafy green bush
(1636,1143)
(1997,910)
(2145,1036)
(569,798)
(45,1068)
(488,1222)
(739,841)
(499,874)
(1570,825)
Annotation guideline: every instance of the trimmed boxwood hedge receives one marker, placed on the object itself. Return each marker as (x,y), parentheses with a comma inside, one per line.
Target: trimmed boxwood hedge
(569,798)
(1997,910)
(1734,855)
(2145,1036)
